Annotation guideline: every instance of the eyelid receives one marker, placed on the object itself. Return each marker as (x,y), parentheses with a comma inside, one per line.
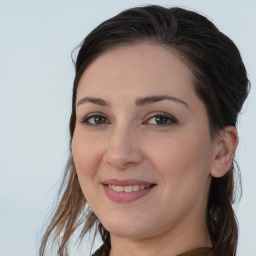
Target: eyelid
(162,114)
(93,114)
(172,119)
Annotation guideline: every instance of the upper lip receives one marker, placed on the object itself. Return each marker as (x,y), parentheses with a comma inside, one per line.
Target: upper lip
(126,182)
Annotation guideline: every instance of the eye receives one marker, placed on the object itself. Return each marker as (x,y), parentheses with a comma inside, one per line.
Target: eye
(161,119)
(95,119)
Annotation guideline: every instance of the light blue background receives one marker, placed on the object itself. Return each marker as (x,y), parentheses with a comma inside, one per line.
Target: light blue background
(36,76)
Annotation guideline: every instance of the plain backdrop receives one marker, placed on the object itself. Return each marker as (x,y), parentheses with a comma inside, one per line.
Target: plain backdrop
(36,76)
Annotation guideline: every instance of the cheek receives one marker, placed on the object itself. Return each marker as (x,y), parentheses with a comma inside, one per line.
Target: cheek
(183,159)
(183,164)
(87,154)
(87,150)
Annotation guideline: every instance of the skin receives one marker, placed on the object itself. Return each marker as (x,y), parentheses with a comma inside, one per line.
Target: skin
(125,141)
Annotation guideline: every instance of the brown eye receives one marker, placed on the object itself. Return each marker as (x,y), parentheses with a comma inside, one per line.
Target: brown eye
(99,120)
(161,119)
(95,120)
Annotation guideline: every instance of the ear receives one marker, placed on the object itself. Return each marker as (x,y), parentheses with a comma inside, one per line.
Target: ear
(224,150)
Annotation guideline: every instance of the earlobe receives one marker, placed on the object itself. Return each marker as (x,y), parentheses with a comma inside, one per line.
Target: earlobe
(225,147)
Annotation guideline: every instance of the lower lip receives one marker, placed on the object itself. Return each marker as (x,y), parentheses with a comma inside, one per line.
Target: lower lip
(123,197)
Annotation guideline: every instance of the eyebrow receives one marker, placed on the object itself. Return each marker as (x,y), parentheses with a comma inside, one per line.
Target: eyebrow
(153,99)
(96,101)
(139,102)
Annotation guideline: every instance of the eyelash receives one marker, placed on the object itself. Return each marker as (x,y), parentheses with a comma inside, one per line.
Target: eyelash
(86,119)
(170,119)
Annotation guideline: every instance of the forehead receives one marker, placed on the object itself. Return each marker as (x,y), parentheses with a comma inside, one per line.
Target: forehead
(137,68)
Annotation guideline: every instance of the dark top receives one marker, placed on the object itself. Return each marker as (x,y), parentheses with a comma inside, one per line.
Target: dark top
(195,252)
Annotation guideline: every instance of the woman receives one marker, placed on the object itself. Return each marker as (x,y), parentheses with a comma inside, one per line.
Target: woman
(153,136)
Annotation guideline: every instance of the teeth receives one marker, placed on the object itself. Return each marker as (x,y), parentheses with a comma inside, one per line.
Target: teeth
(135,187)
(118,188)
(142,187)
(128,188)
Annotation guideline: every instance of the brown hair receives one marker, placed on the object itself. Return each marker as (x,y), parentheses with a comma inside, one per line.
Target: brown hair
(220,81)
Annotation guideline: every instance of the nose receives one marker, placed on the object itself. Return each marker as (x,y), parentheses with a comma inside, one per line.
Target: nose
(123,149)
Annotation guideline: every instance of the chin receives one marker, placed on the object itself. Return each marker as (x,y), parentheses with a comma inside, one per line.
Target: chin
(128,233)
(126,228)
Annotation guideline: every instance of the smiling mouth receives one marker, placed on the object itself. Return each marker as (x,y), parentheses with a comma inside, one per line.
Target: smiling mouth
(128,189)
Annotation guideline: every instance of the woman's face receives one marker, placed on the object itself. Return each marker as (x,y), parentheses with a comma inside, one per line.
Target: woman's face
(141,145)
